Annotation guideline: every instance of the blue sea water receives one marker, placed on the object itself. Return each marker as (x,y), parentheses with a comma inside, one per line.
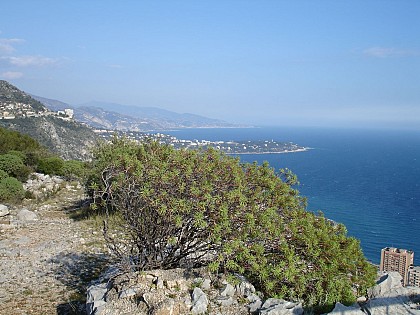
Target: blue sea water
(367,179)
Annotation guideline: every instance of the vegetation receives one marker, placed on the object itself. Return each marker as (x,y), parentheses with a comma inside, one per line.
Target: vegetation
(21,155)
(167,208)
(11,189)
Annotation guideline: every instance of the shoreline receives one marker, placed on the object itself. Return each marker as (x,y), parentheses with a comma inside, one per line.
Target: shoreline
(272,152)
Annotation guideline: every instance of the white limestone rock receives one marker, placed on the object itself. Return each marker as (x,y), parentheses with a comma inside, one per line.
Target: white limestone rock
(280,307)
(341,309)
(25,215)
(199,302)
(4,210)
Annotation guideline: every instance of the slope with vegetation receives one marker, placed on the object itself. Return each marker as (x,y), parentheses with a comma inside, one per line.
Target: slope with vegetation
(20,155)
(167,208)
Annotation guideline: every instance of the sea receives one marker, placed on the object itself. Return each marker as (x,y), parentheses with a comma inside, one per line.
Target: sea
(369,180)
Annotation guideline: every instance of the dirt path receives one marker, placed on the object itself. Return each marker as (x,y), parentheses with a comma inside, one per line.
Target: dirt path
(46,265)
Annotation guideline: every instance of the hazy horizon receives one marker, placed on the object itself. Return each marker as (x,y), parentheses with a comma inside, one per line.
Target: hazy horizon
(265,63)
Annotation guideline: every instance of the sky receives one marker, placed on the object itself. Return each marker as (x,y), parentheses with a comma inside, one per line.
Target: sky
(283,63)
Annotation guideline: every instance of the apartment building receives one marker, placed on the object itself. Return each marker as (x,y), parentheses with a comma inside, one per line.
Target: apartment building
(396,259)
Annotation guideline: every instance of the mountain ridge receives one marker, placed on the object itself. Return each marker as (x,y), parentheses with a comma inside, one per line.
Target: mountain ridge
(114,116)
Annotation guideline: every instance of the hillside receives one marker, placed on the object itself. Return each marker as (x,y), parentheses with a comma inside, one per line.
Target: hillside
(14,102)
(55,130)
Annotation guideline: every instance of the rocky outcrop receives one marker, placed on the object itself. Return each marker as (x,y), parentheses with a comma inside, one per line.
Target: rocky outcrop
(41,186)
(182,291)
(387,297)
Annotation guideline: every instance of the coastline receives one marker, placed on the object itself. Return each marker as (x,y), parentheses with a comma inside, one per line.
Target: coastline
(272,152)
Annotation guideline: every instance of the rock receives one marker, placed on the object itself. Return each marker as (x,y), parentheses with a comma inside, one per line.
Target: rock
(205,285)
(341,309)
(95,301)
(25,215)
(386,284)
(224,300)
(244,288)
(254,305)
(199,302)
(166,307)
(4,210)
(227,290)
(280,307)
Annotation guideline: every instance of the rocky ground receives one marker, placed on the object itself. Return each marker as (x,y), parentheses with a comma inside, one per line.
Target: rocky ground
(49,254)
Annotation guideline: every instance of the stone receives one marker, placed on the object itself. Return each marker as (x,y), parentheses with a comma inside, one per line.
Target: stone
(166,307)
(280,307)
(244,288)
(4,210)
(341,309)
(254,305)
(205,285)
(25,215)
(199,302)
(224,300)
(385,285)
(95,300)
(127,293)
(227,290)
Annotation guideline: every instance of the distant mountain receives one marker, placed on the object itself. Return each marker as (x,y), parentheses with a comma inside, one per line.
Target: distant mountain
(124,117)
(51,104)
(112,116)
(63,136)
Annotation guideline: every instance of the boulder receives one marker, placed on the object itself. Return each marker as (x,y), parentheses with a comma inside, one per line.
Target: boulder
(386,284)
(199,302)
(95,301)
(4,210)
(25,215)
(227,290)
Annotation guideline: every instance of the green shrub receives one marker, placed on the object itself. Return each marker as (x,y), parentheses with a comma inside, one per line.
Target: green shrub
(3,174)
(14,140)
(13,165)
(50,165)
(202,207)
(11,190)
(73,169)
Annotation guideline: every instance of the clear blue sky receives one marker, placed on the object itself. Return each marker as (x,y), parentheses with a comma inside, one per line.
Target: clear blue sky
(327,63)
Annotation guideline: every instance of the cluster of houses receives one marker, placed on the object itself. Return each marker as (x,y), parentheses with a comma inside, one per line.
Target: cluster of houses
(12,110)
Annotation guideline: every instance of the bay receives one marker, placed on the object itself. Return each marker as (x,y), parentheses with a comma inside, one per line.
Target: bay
(367,179)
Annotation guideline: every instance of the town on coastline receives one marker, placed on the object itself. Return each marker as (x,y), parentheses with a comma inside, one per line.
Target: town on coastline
(229,147)
(401,261)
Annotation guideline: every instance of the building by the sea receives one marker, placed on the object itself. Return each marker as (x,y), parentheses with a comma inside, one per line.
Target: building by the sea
(414,276)
(396,259)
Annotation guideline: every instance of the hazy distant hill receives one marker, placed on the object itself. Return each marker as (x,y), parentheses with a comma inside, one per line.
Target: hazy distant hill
(51,104)
(123,117)
(105,115)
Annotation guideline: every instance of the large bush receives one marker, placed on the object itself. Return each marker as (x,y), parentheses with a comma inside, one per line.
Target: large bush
(14,166)
(13,140)
(174,207)
(11,189)
(52,165)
